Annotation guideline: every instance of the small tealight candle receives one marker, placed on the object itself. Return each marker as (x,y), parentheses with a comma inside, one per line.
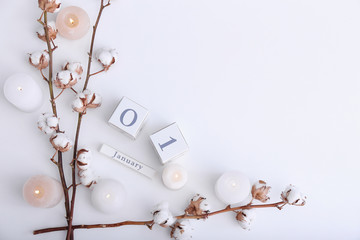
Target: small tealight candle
(232,187)
(42,191)
(23,92)
(174,176)
(108,195)
(72,22)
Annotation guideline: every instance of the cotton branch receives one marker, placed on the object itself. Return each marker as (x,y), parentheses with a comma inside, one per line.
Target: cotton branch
(150,222)
(80,115)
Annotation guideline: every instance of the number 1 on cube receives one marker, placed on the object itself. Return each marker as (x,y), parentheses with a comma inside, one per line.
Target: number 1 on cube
(171,141)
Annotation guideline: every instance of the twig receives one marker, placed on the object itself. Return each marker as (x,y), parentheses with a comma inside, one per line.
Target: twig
(42,14)
(102,6)
(73,170)
(53,106)
(52,158)
(42,74)
(59,94)
(97,72)
(74,90)
(151,222)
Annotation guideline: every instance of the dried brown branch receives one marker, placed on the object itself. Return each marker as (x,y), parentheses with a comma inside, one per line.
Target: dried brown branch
(59,94)
(54,110)
(42,74)
(150,223)
(97,72)
(73,170)
(102,7)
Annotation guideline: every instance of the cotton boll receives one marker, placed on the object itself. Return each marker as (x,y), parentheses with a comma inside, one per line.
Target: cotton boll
(86,99)
(182,230)
(260,191)
(293,196)
(61,142)
(52,30)
(86,173)
(66,79)
(40,60)
(107,57)
(51,6)
(198,206)
(246,218)
(162,215)
(74,67)
(48,123)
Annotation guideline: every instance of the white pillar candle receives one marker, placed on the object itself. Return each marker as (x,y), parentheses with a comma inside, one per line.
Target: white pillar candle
(42,191)
(174,176)
(108,195)
(72,22)
(23,92)
(232,187)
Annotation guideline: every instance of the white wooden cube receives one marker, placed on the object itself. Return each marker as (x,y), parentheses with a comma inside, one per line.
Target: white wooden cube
(129,117)
(169,143)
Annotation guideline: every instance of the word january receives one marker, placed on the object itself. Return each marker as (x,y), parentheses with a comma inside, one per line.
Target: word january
(127,161)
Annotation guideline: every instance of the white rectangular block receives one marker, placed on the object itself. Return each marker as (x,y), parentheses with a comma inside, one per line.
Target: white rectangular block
(127,161)
(169,143)
(129,117)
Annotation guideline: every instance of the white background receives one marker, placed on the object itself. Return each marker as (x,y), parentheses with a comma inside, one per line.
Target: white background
(270,88)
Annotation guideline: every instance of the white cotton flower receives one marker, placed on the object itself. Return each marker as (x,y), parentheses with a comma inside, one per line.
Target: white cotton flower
(40,60)
(182,230)
(88,178)
(48,123)
(246,218)
(86,99)
(51,6)
(162,215)
(198,206)
(86,173)
(74,67)
(260,191)
(52,30)
(107,57)
(205,206)
(66,79)
(293,196)
(61,142)
(84,158)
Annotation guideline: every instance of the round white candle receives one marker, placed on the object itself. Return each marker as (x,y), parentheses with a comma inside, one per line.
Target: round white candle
(42,191)
(108,195)
(72,22)
(23,92)
(232,187)
(174,176)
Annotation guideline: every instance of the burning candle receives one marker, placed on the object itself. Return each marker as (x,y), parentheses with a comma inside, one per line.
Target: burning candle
(232,187)
(23,92)
(72,22)
(174,176)
(108,195)
(42,191)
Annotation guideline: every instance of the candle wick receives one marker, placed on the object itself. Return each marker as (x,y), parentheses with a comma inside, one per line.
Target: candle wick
(19,88)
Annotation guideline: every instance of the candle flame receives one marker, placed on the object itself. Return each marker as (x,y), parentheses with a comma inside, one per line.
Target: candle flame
(37,191)
(233,184)
(108,195)
(72,21)
(19,88)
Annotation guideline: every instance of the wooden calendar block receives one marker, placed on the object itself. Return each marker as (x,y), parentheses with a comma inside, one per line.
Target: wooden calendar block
(169,143)
(129,117)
